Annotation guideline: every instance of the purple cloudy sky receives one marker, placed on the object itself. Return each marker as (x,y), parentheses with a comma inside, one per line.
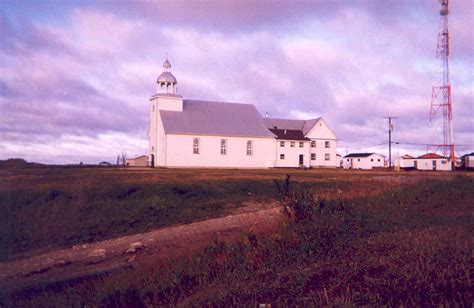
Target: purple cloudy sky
(76,76)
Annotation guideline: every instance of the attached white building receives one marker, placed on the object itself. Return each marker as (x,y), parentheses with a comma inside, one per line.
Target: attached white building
(192,133)
(365,161)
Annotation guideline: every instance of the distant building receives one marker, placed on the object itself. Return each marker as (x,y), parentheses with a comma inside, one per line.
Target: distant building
(192,133)
(468,161)
(429,161)
(405,162)
(140,161)
(365,161)
(105,164)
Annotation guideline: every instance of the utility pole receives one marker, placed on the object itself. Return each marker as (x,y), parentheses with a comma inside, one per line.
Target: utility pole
(390,128)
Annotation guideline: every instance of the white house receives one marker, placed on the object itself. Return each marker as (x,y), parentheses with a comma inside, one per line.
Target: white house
(363,161)
(468,161)
(432,161)
(192,133)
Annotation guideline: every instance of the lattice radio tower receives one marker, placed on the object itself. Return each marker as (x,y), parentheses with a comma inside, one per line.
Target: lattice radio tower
(441,94)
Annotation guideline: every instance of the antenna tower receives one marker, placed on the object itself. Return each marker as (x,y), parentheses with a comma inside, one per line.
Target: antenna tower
(441,94)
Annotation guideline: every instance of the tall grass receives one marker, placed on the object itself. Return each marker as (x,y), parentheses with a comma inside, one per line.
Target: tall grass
(409,247)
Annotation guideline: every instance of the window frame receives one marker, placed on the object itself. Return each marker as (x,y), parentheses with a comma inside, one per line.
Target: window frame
(249,147)
(196,145)
(313,143)
(301,144)
(282,144)
(282,156)
(292,144)
(327,144)
(327,157)
(313,156)
(224,146)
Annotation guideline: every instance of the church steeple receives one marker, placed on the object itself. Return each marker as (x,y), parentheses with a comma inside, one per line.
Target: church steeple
(167,83)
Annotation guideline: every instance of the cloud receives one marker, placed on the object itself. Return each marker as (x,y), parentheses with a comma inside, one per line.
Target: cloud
(67,81)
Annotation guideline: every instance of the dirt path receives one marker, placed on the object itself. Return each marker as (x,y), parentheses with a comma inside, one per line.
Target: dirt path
(133,250)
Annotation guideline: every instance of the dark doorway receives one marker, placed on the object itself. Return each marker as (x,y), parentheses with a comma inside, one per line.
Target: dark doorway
(152,162)
(301,160)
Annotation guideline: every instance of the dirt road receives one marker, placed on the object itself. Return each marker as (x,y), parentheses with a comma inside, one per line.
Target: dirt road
(133,250)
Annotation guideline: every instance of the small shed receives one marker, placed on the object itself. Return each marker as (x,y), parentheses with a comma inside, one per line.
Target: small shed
(468,161)
(405,162)
(140,161)
(432,161)
(365,161)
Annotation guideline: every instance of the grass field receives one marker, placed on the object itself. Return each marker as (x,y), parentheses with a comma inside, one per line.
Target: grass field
(365,238)
(46,208)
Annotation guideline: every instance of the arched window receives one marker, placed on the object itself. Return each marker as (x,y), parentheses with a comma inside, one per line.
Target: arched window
(196,146)
(249,147)
(223,146)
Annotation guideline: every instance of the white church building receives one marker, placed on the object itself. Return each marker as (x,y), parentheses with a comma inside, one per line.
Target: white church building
(193,133)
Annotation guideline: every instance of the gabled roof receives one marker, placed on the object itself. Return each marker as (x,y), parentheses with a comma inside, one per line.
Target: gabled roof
(358,155)
(302,125)
(289,134)
(215,118)
(430,155)
(406,156)
(465,155)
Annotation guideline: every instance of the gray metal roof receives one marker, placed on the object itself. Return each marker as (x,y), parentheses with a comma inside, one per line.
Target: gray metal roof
(215,118)
(303,125)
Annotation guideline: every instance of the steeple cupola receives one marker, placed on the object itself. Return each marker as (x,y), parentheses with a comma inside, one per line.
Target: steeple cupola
(167,83)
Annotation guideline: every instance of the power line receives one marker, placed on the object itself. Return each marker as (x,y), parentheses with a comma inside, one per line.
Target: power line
(362,138)
(366,147)
(414,143)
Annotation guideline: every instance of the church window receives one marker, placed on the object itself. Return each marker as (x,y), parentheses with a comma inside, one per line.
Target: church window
(301,144)
(282,156)
(282,144)
(327,144)
(313,143)
(327,156)
(223,146)
(313,156)
(196,146)
(292,144)
(249,147)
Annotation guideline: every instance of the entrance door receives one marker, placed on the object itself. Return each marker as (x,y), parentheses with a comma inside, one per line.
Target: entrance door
(301,160)
(434,164)
(152,163)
